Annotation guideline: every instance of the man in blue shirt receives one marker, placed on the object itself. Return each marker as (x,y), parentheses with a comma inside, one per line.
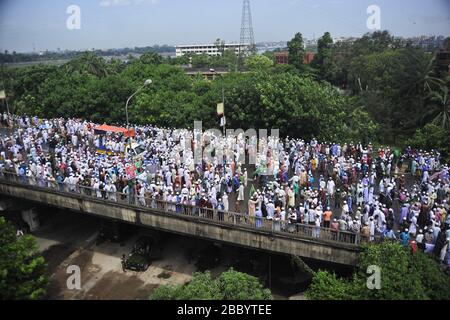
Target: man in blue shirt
(390,234)
(404,237)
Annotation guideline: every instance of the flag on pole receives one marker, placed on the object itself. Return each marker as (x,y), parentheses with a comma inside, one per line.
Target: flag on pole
(220,109)
(2,94)
(223,121)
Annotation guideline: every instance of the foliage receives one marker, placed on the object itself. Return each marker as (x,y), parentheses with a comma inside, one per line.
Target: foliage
(435,283)
(22,268)
(392,84)
(265,98)
(227,59)
(235,285)
(323,59)
(375,89)
(259,63)
(440,104)
(296,51)
(327,286)
(397,280)
(404,276)
(230,285)
(151,58)
(430,137)
(48,56)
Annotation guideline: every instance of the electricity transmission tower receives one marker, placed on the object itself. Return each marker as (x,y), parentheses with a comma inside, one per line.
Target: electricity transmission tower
(247,44)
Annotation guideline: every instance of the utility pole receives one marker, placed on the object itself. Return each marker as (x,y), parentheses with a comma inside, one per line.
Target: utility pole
(223,103)
(130,151)
(223,99)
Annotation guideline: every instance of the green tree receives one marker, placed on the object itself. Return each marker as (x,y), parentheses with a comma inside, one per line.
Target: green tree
(440,104)
(259,63)
(88,63)
(323,59)
(391,84)
(404,276)
(151,58)
(327,286)
(201,61)
(22,267)
(220,45)
(235,285)
(431,136)
(229,59)
(230,285)
(296,50)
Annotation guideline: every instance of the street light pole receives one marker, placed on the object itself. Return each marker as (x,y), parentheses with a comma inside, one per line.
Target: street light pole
(223,103)
(224,122)
(146,83)
(223,99)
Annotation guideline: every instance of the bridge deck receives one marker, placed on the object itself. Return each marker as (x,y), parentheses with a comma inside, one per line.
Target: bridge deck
(259,233)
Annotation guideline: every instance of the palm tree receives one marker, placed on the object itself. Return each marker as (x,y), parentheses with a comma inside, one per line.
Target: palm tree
(420,78)
(440,103)
(89,63)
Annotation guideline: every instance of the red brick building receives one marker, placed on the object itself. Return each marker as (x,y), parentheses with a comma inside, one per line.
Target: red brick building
(283,57)
(309,57)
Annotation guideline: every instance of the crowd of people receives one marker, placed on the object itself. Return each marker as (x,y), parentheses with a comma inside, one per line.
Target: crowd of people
(376,192)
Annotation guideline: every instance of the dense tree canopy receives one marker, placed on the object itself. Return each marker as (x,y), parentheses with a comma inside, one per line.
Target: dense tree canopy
(404,275)
(230,285)
(375,89)
(296,50)
(262,98)
(323,59)
(22,267)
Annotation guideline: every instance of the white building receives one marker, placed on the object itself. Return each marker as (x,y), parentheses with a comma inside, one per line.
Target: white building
(209,49)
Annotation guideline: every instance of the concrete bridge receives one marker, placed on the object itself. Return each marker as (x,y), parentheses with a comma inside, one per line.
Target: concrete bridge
(227,227)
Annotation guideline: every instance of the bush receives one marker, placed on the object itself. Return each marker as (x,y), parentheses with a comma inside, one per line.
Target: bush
(404,276)
(22,267)
(432,137)
(326,286)
(230,285)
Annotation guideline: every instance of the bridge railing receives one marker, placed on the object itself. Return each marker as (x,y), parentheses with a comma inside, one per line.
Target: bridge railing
(275,226)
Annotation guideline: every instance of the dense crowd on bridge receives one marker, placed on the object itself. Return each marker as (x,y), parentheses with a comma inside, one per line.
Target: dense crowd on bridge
(356,188)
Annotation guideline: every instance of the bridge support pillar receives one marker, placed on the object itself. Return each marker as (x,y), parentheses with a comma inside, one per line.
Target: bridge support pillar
(6,205)
(298,265)
(31,217)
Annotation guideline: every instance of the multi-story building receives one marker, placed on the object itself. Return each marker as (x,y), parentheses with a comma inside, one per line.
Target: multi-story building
(208,49)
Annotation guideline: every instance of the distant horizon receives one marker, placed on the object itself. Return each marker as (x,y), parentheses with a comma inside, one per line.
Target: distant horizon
(27,27)
(58,49)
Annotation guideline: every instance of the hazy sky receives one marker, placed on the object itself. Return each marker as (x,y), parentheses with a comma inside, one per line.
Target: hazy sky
(122,23)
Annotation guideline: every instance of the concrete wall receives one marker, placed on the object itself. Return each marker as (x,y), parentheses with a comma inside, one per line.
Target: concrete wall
(186,225)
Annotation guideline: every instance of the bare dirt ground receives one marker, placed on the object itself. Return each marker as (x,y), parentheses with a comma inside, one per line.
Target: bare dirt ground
(71,241)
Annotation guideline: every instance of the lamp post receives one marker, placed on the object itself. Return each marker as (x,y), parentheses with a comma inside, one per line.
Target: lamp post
(146,84)
(224,122)
(223,98)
